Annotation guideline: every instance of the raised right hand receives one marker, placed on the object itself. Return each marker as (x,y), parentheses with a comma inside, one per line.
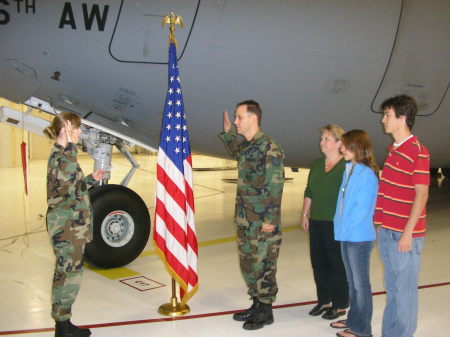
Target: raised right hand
(226,122)
(69,129)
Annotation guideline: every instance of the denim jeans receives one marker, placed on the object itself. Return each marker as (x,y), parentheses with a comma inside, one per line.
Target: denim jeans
(356,256)
(401,277)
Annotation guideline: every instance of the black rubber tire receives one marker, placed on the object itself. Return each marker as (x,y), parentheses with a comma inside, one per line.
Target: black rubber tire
(446,172)
(105,200)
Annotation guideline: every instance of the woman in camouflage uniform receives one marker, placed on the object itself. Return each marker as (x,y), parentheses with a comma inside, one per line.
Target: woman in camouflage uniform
(69,219)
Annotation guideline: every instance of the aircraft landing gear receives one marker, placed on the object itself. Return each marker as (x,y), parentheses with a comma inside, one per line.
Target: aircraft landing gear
(121,225)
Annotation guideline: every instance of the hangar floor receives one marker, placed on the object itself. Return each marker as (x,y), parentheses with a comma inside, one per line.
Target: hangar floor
(124,301)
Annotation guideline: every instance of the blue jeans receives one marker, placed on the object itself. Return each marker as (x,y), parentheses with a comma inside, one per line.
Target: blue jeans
(401,277)
(356,256)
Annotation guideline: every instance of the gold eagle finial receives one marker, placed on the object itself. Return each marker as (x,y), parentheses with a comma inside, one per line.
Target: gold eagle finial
(172,20)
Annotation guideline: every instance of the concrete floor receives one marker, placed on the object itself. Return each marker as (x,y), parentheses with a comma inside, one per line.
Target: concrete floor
(111,306)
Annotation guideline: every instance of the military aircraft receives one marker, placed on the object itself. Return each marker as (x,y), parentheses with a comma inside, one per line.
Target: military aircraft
(308,62)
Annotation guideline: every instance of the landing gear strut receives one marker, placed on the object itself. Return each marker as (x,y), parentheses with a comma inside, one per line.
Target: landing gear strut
(121,219)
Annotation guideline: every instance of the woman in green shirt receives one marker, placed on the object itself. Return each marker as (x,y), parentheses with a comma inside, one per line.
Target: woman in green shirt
(319,206)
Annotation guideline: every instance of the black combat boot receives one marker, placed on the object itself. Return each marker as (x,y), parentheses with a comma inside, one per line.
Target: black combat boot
(67,329)
(263,316)
(247,314)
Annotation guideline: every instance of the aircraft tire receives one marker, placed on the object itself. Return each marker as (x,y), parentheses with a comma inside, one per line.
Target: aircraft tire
(446,172)
(121,226)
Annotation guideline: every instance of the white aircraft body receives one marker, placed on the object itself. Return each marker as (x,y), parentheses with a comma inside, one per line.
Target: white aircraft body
(307,62)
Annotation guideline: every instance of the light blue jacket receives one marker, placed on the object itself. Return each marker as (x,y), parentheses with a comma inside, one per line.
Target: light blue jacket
(353,220)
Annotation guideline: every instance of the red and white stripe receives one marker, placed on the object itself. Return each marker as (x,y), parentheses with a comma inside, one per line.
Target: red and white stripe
(174,229)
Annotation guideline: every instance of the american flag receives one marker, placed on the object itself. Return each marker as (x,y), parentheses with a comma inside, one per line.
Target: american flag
(174,230)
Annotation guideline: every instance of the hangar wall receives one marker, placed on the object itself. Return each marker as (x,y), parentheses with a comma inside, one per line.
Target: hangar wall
(10,139)
(7,152)
(38,147)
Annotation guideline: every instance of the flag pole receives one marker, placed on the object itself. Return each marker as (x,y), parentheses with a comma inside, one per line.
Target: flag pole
(173,308)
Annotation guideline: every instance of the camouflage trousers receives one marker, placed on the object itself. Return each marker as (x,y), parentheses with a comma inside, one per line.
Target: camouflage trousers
(258,255)
(68,268)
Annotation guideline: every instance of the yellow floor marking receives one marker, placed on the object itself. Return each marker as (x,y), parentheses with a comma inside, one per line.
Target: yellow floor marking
(290,228)
(215,241)
(122,272)
(113,273)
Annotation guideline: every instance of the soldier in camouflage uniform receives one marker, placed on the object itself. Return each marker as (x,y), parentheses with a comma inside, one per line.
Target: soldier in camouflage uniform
(257,214)
(69,219)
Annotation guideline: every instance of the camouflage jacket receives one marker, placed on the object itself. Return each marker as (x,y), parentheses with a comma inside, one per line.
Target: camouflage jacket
(260,177)
(67,192)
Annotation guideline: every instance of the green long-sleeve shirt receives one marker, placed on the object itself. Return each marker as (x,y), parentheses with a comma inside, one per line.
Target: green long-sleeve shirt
(260,178)
(323,189)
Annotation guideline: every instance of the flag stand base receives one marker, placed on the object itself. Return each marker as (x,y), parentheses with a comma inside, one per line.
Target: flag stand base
(174,308)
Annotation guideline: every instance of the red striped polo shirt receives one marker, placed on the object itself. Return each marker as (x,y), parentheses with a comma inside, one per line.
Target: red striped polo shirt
(404,167)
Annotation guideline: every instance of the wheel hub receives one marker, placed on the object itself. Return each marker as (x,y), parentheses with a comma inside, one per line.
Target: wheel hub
(117,228)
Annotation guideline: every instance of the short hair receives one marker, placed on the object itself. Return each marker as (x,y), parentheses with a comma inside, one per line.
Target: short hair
(59,122)
(252,107)
(403,105)
(334,129)
(358,142)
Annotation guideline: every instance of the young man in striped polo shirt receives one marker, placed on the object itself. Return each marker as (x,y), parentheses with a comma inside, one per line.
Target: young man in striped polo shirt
(400,211)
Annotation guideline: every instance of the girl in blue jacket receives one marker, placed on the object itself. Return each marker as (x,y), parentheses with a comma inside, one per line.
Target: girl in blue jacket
(353,226)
